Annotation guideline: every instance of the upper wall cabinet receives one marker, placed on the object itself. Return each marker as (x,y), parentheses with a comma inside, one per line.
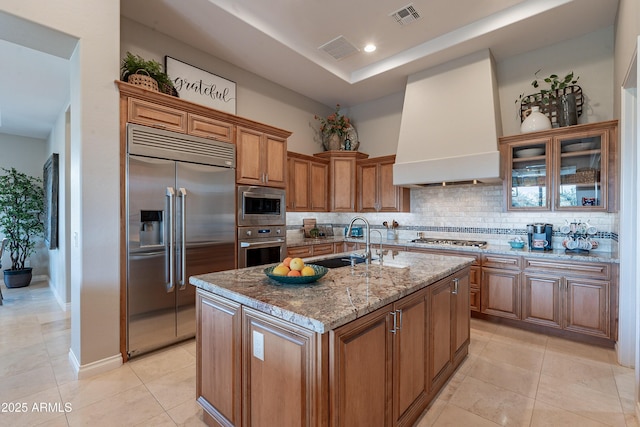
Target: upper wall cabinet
(566,169)
(261,159)
(308,185)
(376,192)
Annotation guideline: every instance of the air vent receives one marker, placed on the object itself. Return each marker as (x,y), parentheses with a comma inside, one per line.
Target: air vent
(406,15)
(339,48)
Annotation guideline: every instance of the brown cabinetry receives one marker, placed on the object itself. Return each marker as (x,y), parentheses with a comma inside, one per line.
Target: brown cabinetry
(207,127)
(308,183)
(570,296)
(448,326)
(376,192)
(342,179)
(261,158)
(156,115)
(219,372)
(565,169)
(305,251)
(279,369)
(500,294)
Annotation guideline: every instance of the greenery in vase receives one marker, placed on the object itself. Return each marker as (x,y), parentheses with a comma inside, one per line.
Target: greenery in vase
(131,64)
(21,209)
(335,123)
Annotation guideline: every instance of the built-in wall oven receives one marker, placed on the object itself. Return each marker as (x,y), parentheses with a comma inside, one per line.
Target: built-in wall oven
(260,245)
(261,225)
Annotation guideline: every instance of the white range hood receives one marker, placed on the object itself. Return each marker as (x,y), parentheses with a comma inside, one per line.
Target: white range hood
(450,124)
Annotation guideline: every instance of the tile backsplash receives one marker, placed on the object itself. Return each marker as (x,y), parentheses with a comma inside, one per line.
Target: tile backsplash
(468,212)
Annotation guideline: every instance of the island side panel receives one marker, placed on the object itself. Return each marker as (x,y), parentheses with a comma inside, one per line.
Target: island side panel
(279,372)
(218,344)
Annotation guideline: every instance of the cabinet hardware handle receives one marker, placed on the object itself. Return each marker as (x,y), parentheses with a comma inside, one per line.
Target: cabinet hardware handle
(400,323)
(266,177)
(393,331)
(455,286)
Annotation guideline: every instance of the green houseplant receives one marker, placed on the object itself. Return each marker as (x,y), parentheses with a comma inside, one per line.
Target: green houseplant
(552,98)
(21,210)
(132,64)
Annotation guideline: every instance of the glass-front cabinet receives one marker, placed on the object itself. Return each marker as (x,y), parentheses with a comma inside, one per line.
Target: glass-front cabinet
(570,168)
(530,175)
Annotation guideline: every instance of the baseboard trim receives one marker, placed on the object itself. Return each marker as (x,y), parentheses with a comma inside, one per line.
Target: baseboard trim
(65,306)
(94,368)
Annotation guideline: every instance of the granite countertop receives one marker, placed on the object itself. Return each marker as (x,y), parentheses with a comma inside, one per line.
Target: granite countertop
(559,254)
(339,297)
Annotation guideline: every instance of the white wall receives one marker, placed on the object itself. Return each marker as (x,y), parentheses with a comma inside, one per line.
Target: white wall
(27,155)
(94,172)
(59,261)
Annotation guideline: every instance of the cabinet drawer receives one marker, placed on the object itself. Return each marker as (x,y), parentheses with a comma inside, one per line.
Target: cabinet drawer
(593,270)
(300,251)
(155,115)
(323,249)
(501,261)
(210,128)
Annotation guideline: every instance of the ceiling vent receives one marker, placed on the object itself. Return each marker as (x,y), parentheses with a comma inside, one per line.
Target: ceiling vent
(339,48)
(406,15)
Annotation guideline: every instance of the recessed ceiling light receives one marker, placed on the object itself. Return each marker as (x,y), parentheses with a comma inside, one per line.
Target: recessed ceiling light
(370,48)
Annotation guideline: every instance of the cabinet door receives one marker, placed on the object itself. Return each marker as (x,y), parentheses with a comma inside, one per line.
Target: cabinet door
(410,355)
(298,195)
(279,372)
(368,200)
(210,128)
(343,185)
(441,306)
(528,176)
(501,293)
(581,171)
(155,115)
(391,197)
(360,379)
(249,157)
(587,307)
(299,251)
(462,316)
(323,249)
(318,187)
(541,300)
(475,278)
(275,160)
(218,387)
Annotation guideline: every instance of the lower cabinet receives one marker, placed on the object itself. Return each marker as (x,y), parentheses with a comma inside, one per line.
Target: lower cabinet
(500,295)
(390,363)
(555,295)
(306,251)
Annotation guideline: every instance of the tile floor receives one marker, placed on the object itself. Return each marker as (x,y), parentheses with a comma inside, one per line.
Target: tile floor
(510,378)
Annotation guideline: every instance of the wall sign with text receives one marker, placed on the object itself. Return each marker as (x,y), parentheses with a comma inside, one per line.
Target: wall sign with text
(200,86)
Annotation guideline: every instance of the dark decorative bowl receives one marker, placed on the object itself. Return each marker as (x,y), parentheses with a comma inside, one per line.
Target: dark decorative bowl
(297,280)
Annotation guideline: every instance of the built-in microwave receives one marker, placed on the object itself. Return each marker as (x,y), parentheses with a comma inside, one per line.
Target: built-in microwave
(260,206)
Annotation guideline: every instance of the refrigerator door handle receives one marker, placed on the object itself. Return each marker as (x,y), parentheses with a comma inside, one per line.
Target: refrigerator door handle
(172,258)
(183,238)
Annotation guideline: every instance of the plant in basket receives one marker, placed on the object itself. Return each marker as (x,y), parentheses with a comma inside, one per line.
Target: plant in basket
(547,98)
(135,69)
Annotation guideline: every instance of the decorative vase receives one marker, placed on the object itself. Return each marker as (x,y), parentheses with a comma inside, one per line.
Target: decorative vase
(17,278)
(333,142)
(567,112)
(534,121)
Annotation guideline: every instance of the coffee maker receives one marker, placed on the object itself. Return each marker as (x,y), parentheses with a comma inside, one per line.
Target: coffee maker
(540,236)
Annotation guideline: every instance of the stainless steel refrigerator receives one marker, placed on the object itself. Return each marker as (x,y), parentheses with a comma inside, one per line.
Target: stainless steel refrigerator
(181,222)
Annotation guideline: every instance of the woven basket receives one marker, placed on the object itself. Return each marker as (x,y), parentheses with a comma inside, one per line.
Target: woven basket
(582,176)
(140,79)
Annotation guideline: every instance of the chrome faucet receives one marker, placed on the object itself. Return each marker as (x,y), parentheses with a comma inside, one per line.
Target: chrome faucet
(367,237)
(380,253)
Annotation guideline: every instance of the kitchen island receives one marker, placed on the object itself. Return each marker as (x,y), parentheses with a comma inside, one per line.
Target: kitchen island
(367,345)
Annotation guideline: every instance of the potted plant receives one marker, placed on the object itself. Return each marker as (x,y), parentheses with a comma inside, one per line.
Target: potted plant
(554,96)
(133,65)
(333,129)
(21,209)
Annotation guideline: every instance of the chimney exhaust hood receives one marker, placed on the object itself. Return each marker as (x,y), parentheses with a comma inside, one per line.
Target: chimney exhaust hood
(450,124)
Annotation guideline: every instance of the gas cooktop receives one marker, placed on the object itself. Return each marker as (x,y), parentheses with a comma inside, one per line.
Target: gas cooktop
(453,242)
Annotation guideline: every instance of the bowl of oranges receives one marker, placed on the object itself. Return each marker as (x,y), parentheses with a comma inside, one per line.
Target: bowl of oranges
(293,271)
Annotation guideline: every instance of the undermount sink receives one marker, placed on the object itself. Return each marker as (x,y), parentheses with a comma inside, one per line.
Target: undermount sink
(341,261)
